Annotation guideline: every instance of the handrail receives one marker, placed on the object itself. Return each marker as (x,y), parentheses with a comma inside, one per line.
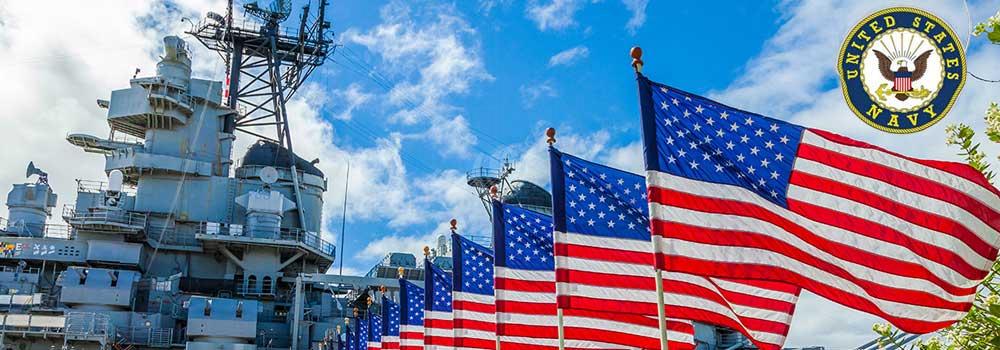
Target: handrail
(308,238)
(97,186)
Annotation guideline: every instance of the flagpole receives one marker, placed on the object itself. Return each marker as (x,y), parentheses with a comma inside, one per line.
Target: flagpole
(661,311)
(550,135)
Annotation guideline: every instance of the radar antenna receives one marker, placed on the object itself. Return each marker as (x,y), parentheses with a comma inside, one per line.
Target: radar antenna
(490,183)
(266,63)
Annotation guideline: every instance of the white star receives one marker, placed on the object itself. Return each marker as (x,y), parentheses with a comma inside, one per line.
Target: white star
(774,174)
(744,139)
(761,182)
(694,165)
(675,102)
(734,127)
(671,159)
(769,144)
(754,150)
(697,127)
(724,115)
(686,113)
(663,104)
(681,153)
(751,169)
(759,132)
(740,157)
(749,121)
(670,140)
(710,121)
(699,109)
(779,157)
(774,127)
(718,168)
(705,156)
(784,139)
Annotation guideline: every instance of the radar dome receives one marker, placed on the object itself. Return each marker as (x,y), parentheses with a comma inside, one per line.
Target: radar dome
(529,195)
(266,153)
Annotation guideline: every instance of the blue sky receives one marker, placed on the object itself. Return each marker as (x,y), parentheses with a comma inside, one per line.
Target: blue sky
(421,91)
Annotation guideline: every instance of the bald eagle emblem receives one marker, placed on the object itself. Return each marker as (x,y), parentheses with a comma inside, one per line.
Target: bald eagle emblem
(903,78)
(901,69)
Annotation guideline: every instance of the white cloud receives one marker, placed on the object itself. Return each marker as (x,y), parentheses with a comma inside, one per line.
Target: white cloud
(555,15)
(531,93)
(453,134)
(569,56)
(435,54)
(638,9)
(353,97)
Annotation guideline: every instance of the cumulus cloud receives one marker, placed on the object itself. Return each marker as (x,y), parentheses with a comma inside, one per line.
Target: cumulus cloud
(569,56)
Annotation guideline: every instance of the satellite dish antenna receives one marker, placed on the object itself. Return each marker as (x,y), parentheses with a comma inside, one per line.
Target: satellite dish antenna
(269,175)
(115,180)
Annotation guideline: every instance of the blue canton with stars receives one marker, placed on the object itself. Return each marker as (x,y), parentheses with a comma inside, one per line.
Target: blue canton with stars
(438,286)
(523,238)
(411,302)
(594,199)
(390,313)
(375,328)
(691,136)
(473,266)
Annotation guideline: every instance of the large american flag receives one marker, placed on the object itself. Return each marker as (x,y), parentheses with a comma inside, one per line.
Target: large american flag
(390,328)
(740,195)
(438,317)
(526,299)
(411,316)
(604,254)
(374,332)
(473,302)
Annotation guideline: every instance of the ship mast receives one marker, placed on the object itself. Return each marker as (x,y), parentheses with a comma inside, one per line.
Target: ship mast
(266,65)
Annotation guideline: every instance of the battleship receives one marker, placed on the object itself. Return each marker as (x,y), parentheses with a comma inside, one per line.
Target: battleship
(183,245)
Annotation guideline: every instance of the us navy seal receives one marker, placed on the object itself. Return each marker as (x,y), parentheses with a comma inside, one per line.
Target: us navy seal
(901,69)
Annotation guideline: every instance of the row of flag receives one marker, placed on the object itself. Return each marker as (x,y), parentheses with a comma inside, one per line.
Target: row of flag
(736,215)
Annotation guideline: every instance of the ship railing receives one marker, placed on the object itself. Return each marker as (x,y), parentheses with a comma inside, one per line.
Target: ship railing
(95,186)
(89,324)
(45,230)
(311,239)
(147,336)
(102,216)
(34,324)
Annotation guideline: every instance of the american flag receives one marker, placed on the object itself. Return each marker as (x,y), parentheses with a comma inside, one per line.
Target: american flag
(361,336)
(473,302)
(390,328)
(411,316)
(735,194)
(604,253)
(349,342)
(374,332)
(438,318)
(526,299)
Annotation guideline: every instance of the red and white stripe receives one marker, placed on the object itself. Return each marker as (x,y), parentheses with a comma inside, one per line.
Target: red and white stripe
(905,239)
(439,330)
(475,320)
(390,342)
(374,345)
(527,319)
(902,84)
(411,337)
(604,273)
